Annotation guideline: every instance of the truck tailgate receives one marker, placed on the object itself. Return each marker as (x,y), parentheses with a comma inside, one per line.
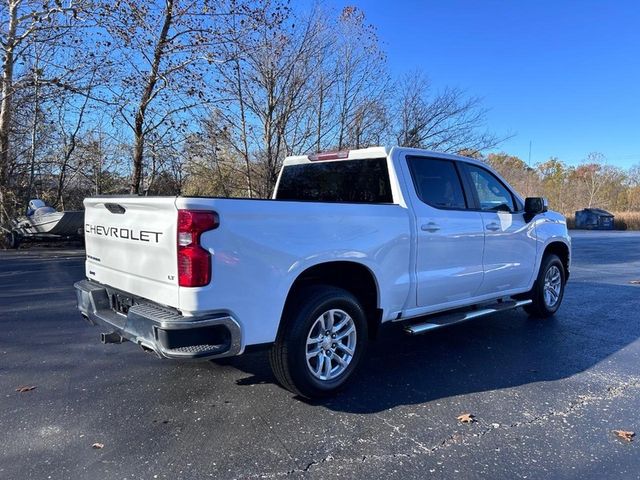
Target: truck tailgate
(131,245)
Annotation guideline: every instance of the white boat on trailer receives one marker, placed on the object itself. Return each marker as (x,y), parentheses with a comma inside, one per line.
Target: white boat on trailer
(43,222)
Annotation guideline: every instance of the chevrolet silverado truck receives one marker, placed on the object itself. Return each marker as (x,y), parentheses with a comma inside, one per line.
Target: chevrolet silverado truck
(349,240)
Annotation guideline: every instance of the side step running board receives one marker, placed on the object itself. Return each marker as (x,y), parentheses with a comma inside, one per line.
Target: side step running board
(438,321)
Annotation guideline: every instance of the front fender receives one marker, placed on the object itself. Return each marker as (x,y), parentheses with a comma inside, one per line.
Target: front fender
(551,227)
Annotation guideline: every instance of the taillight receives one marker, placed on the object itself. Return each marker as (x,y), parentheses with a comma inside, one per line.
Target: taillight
(194,262)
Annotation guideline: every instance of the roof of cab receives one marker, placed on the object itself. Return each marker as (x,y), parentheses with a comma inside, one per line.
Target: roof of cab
(371,153)
(361,153)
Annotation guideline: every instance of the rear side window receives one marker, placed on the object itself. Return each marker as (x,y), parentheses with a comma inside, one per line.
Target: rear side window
(437,182)
(347,181)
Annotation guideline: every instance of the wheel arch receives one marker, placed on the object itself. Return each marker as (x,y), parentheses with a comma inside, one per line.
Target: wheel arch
(562,250)
(354,277)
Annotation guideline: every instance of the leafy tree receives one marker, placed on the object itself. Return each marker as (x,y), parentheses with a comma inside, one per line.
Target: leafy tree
(519,174)
(553,175)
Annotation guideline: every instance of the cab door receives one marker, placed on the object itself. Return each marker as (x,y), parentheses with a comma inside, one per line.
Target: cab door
(450,236)
(510,243)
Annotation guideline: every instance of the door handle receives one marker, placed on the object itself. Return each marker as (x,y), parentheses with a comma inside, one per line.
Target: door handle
(430,227)
(493,227)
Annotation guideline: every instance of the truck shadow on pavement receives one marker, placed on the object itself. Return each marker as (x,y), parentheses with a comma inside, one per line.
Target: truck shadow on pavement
(506,350)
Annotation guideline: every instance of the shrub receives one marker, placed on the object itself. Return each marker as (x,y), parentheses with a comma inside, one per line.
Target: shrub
(627,220)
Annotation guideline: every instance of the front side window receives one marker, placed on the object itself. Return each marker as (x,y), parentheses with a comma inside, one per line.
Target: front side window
(437,182)
(492,194)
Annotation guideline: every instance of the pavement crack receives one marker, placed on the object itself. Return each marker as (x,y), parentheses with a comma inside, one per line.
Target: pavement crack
(312,463)
(459,438)
(582,401)
(421,446)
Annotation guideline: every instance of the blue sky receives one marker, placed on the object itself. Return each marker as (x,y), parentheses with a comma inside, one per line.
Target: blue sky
(563,74)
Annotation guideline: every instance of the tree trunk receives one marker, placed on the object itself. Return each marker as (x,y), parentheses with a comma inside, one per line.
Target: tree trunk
(138,130)
(269,131)
(320,105)
(138,154)
(34,127)
(5,106)
(243,121)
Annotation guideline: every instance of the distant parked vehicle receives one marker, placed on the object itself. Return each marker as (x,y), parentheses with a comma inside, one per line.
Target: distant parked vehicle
(42,223)
(350,240)
(594,219)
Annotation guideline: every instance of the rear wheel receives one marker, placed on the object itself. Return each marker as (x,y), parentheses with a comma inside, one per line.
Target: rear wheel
(14,239)
(321,341)
(548,291)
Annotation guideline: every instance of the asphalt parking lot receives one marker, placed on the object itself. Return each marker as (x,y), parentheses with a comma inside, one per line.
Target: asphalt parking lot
(546,395)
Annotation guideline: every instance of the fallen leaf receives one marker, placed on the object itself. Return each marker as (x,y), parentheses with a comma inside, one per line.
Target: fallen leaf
(97,445)
(23,388)
(466,418)
(624,435)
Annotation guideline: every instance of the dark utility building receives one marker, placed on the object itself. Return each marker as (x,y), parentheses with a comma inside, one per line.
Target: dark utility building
(594,219)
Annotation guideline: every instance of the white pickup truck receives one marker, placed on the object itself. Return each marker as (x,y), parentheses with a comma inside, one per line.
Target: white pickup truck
(349,240)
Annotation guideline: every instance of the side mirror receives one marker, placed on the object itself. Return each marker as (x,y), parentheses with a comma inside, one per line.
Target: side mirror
(533,206)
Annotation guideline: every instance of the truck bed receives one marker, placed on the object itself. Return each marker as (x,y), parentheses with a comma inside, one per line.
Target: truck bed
(258,249)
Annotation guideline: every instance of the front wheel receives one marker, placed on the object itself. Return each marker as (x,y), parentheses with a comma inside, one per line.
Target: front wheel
(548,290)
(321,341)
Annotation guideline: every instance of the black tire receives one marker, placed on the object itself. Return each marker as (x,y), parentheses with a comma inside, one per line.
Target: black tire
(540,308)
(14,239)
(288,355)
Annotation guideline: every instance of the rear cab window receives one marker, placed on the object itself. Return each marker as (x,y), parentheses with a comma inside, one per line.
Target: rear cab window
(437,182)
(346,181)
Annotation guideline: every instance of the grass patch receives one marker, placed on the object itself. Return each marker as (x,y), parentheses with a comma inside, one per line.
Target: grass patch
(627,220)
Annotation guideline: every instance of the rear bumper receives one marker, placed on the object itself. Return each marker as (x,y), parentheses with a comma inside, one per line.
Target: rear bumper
(166,332)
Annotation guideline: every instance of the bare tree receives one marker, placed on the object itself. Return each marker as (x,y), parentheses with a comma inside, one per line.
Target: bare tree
(633,194)
(599,183)
(101,161)
(589,175)
(213,164)
(362,81)
(71,117)
(22,23)
(448,121)
(163,49)
(269,89)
